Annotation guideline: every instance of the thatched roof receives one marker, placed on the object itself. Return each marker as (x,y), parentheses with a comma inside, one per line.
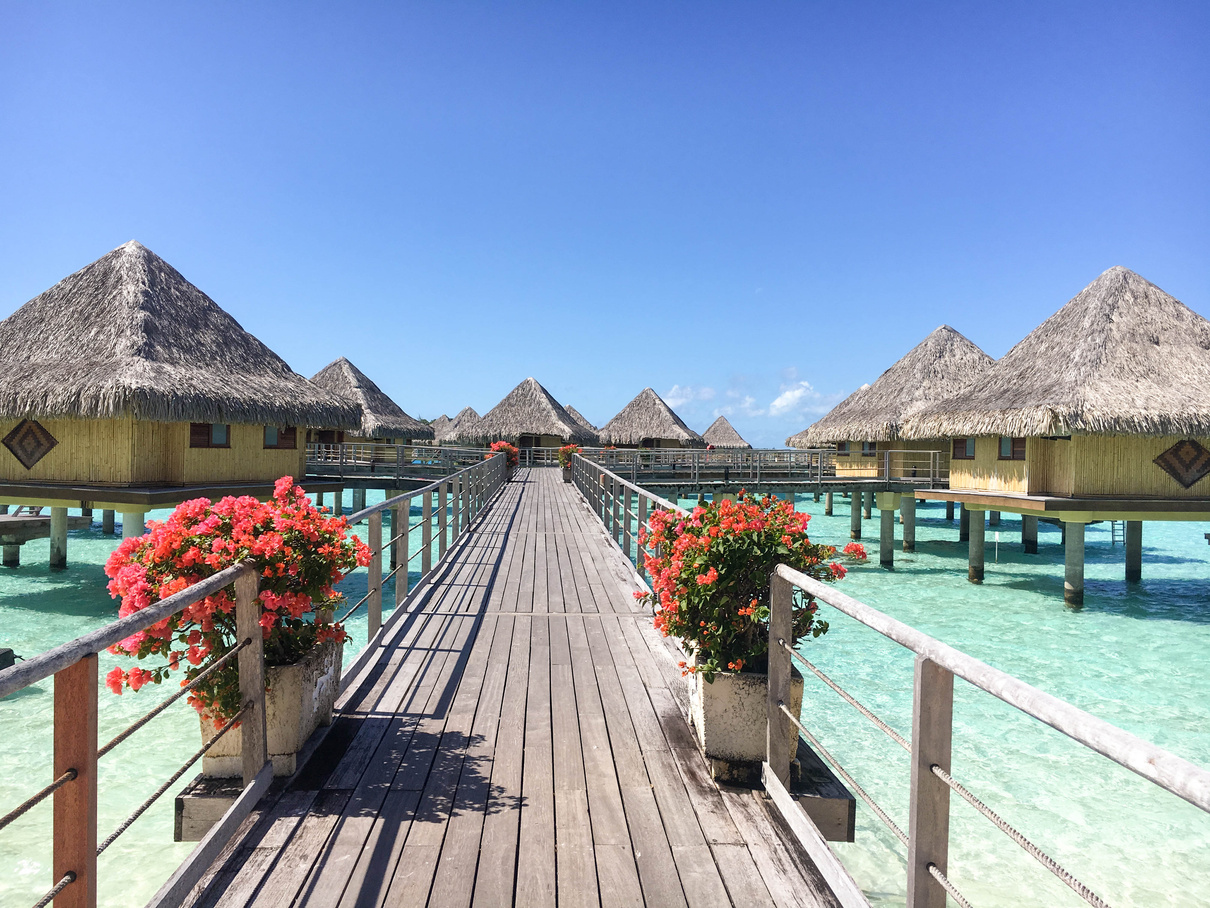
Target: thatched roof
(722,434)
(381,417)
(439,425)
(460,428)
(128,336)
(939,366)
(1121,358)
(647,416)
(529,409)
(578,417)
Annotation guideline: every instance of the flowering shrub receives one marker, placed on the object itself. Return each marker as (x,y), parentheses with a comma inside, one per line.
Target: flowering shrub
(856,551)
(299,552)
(511,454)
(565,454)
(711,579)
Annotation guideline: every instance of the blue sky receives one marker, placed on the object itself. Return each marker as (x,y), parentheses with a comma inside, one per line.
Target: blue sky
(751,207)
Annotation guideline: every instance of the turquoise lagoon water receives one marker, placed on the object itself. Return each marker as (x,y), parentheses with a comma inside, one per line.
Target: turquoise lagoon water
(40,609)
(1136,657)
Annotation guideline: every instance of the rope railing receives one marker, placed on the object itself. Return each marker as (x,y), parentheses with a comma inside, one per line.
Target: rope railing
(840,771)
(142,808)
(948,886)
(192,685)
(34,800)
(67,880)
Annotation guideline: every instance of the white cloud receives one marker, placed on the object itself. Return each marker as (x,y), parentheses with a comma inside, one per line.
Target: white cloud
(678,395)
(797,398)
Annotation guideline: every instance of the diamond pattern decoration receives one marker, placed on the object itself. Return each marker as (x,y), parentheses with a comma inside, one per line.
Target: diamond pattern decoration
(29,442)
(1186,462)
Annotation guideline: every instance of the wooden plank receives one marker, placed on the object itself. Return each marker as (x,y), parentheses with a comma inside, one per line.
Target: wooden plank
(292,863)
(536,879)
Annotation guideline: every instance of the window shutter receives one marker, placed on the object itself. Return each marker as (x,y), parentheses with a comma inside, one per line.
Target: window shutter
(199,435)
(1018,449)
(287,437)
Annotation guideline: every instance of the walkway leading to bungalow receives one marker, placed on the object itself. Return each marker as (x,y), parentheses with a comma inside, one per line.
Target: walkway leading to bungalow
(518,742)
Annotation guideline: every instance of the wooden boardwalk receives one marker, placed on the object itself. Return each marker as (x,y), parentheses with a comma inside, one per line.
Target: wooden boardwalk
(520,741)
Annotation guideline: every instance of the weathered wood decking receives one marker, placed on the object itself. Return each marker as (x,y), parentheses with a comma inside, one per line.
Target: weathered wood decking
(519,742)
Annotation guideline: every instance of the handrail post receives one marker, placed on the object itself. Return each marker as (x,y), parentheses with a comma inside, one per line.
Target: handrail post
(254,750)
(401,517)
(616,528)
(781,627)
(442,521)
(929,804)
(374,605)
(627,508)
(426,534)
(455,507)
(638,551)
(75,804)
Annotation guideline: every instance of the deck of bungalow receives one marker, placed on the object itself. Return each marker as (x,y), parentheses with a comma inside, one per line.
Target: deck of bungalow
(519,739)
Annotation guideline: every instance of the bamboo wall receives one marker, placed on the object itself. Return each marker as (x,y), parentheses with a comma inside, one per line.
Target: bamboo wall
(125,452)
(856,464)
(987,473)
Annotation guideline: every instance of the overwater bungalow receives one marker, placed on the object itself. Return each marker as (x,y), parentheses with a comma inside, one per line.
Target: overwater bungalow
(439,425)
(722,434)
(870,419)
(530,417)
(382,420)
(126,388)
(648,422)
(1100,413)
(460,429)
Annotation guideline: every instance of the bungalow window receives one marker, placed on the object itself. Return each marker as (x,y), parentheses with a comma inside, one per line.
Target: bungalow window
(964,449)
(281,438)
(209,435)
(842,449)
(869,448)
(1012,448)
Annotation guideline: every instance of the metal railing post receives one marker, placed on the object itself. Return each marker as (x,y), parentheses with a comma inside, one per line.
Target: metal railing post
(929,804)
(781,627)
(254,749)
(374,605)
(426,554)
(442,521)
(401,517)
(75,804)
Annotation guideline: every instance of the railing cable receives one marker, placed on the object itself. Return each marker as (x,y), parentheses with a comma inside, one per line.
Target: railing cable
(360,603)
(139,811)
(1033,850)
(947,885)
(163,706)
(33,801)
(823,752)
(852,701)
(68,879)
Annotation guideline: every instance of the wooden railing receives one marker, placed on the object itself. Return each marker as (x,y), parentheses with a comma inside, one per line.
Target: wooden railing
(623,507)
(449,507)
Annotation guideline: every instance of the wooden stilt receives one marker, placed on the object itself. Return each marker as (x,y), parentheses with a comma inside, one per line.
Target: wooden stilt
(855,516)
(907,508)
(107,521)
(886,538)
(867,509)
(132,524)
(58,539)
(1134,551)
(949,510)
(964,524)
(1029,534)
(1073,572)
(11,556)
(827,504)
(975,570)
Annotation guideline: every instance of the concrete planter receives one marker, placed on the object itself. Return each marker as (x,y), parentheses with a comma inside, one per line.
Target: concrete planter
(567,473)
(299,699)
(730,718)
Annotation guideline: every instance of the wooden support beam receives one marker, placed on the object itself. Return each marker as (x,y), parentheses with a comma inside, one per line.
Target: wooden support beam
(827,504)
(929,800)
(1134,551)
(907,508)
(993,518)
(949,510)
(11,557)
(867,508)
(107,521)
(374,580)
(975,530)
(855,516)
(778,727)
(1073,567)
(75,804)
(1029,534)
(254,742)
(964,523)
(58,539)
